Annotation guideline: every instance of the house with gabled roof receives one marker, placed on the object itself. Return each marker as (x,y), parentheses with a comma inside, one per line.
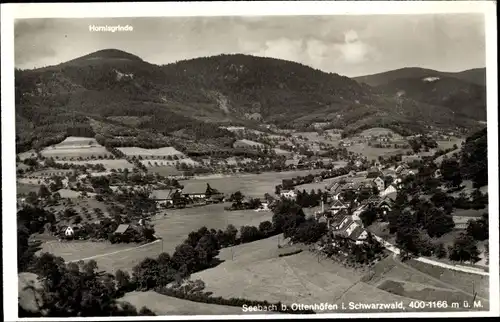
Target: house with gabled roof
(122,229)
(337,206)
(380,183)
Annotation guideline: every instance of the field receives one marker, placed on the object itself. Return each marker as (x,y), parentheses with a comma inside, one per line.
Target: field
(463,281)
(165,171)
(445,144)
(373,153)
(315,137)
(26,187)
(173,228)
(282,152)
(75,147)
(161,152)
(377,131)
(255,271)
(26,155)
(424,284)
(152,162)
(166,305)
(251,185)
(108,164)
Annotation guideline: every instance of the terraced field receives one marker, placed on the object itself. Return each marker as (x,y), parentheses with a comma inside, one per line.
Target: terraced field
(108,164)
(75,147)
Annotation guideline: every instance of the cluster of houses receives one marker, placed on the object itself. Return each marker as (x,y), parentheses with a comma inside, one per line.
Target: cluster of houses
(341,223)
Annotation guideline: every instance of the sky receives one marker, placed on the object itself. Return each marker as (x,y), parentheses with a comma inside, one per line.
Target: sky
(347,45)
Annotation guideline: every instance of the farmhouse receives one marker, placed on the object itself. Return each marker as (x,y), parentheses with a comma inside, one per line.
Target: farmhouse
(337,206)
(122,229)
(461,222)
(163,197)
(290,194)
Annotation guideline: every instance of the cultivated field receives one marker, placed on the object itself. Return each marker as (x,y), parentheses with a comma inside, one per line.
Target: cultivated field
(76,147)
(403,279)
(255,271)
(315,137)
(445,144)
(108,164)
(251,185)
(377,131)
(166,305)
(161,152)
(26,187)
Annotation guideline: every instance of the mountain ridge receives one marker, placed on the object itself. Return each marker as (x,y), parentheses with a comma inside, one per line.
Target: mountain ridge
(203,93)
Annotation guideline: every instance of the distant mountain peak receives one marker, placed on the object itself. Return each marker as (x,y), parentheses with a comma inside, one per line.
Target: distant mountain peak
(109,54)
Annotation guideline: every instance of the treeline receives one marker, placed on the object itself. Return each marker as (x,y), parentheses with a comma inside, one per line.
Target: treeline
(474,158)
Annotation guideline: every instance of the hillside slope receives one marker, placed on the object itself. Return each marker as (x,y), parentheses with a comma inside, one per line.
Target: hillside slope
(122,100)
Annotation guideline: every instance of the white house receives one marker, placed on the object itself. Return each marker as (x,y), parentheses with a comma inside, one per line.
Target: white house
(68,232)
(380,183)
(290,194)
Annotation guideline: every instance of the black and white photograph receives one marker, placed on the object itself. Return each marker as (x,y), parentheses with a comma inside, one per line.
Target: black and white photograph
(244,164)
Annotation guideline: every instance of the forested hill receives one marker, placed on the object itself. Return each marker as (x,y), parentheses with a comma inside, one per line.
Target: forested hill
(116,94)
(475,76)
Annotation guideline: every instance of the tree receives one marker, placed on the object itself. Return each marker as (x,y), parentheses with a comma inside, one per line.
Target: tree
(479,229)
(368,216)
(122,280)
(249,234)
(464,249)
(266,228)
(450,171)
(237,197)
(184,259)
(144,311)
(287,216)
(437,223)
(43,192)
(230,234)
(145,274)
(440,251)
(309,232)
